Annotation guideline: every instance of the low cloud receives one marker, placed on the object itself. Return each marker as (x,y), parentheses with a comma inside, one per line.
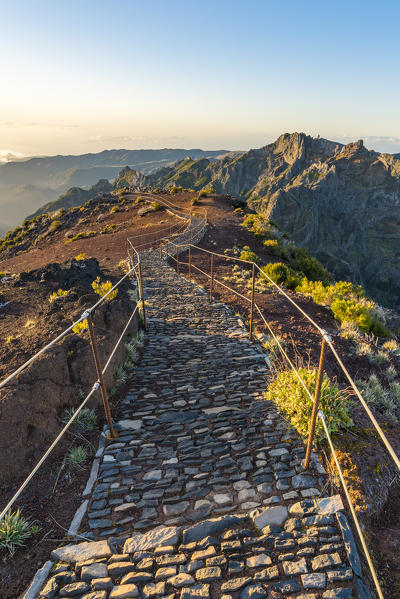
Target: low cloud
(11,156)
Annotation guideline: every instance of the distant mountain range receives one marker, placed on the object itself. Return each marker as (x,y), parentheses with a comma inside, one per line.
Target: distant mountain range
(25,185)
(341,202)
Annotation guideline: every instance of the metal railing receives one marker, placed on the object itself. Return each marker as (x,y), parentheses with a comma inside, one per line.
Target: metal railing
(135,269)
(326,342)
(99,384)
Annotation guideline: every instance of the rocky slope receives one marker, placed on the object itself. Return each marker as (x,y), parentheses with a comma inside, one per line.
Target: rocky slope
(341,202)
(27,185)
(32,403)
(76,196)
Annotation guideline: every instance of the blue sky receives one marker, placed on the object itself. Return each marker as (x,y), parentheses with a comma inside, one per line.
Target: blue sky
(84,76)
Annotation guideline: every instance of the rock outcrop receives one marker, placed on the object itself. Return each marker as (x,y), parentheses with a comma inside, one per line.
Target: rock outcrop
(341,202)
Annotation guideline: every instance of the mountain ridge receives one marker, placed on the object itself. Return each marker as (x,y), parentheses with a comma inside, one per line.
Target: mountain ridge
(341,202)
(48,177)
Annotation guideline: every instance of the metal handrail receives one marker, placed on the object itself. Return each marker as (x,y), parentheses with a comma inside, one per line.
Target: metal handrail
(316,412)
(99,384)
(83,316)
(321,415)
(325,338)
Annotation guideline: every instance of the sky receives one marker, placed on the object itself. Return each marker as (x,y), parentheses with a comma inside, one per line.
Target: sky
(83,76)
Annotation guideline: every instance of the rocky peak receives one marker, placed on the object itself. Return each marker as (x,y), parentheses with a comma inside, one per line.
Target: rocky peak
(354,148)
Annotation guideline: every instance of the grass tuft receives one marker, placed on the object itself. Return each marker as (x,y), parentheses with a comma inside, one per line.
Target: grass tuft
(15,530)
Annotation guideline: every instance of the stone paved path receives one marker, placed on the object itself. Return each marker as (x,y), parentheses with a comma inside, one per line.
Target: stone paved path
(203,493)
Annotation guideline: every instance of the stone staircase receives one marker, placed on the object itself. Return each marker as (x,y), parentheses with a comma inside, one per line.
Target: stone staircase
(203,494)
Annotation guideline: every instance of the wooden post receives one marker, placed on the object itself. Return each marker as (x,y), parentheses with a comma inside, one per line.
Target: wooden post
(212,277)
(96,357)
(317,396)
(142,296)
(252,302)
(190,265)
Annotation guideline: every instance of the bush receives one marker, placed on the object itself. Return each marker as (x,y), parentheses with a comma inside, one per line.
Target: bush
(176,189)
(348,304)
(260,226)
(274,247)
(55,225)
(56,294)
(103,288)
(82,236)
(280,273)
(247,254)
(156,206)
(115,209)
(80,257)
(80,327)
(386,401)
(302,262)
(15,530)
(291,398)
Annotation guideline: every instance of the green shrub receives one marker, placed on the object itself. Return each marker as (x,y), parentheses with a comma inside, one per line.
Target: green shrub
(81,327)
(302,262)
(291,398)
(15,530)
(55,225)
(247,254)
(156,206)
(348,304)
(176,189)
(281,274)
(274,247)
(260,226)
(81,257)
(384,400)
(82,236)
(103,288)
(56,294)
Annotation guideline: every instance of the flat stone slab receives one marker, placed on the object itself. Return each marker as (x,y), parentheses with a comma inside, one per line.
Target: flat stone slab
(82,552)
(129,424)
(270,515)
(329,505)
(163,535)
(210,527)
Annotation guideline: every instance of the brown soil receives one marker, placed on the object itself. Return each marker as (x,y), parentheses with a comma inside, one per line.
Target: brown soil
(109,248)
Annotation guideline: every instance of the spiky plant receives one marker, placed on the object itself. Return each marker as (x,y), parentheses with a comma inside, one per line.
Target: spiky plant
(15,530)
(77,456)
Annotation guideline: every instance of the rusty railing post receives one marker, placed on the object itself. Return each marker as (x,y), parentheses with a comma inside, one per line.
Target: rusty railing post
(142,295)
(317,396)
(252,302)
(104,394)
(190,265)
(212,277)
